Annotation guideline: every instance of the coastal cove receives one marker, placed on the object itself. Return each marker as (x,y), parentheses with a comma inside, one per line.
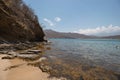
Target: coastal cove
(59,40)
(61,59)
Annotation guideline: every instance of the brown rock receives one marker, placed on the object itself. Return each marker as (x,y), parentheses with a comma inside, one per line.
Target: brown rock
(17,24)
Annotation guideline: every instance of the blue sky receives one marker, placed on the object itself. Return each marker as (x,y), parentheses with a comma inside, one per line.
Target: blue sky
(91,17)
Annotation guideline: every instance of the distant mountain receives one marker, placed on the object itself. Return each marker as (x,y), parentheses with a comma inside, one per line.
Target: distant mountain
(112,37)
(53,34)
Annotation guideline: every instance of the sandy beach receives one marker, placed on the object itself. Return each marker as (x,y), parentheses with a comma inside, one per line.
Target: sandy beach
(21,71)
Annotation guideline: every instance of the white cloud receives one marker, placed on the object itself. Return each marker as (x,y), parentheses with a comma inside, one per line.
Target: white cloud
(100,30)
(49,22)
(57,19)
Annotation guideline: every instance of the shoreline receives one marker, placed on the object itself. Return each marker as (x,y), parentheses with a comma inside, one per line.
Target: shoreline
(19,63)
(30,61)
(21,71)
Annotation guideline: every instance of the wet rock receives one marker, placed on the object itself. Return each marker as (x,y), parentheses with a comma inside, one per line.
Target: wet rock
(48,48)
(28,56)
(42,58)
(3,41)
(8,57)
(118,76)
(81,78)
(3,52)
(12,53)
(27,53)
(5,47)
(22,46)
(35,51)
(45,68)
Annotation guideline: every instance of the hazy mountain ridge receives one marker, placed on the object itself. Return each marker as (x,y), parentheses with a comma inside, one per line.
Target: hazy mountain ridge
(54,34)
(112,37)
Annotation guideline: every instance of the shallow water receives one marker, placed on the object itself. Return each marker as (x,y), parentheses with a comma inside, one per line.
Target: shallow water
(97,52)
(70,58)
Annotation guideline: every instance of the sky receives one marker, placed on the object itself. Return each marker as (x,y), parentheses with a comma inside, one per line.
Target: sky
(90,17)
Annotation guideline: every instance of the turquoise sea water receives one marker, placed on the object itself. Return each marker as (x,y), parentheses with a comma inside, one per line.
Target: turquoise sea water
(98,52)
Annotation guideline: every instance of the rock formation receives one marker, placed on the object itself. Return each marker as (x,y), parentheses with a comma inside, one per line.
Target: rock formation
(18,23)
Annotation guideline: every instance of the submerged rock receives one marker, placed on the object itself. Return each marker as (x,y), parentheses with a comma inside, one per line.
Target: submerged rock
(42,58)
(45,68)
(81,78)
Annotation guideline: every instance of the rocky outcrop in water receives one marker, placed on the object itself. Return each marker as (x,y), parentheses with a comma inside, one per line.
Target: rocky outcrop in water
(18,23)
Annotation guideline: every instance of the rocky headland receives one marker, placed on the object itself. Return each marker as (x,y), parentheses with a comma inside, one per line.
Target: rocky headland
(22,43)
(18,23)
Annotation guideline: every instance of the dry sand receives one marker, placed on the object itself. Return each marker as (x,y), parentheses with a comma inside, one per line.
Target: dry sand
(21,72)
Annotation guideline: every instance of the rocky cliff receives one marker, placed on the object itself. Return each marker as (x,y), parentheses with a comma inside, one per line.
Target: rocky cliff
(18,22)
